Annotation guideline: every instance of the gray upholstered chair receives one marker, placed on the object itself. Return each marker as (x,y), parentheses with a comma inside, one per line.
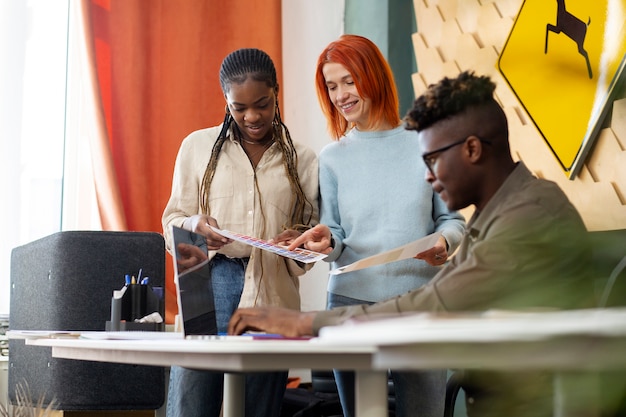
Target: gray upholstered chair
(65,281)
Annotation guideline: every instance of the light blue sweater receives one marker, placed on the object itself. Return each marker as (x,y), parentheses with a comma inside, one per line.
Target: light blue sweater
(374,198)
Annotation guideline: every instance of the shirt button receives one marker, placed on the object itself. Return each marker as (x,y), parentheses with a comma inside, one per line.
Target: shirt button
(250,213)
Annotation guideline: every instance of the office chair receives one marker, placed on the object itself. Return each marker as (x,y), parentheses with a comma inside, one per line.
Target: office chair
(608,298)
(453,387)
(324,381)
(613,383)
(65,281)
(610,284)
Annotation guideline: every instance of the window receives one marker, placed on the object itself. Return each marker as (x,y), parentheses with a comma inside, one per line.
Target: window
(33,52)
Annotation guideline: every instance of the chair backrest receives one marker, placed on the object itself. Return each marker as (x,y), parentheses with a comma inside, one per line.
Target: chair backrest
(618,271)
(609,266)
(65,281)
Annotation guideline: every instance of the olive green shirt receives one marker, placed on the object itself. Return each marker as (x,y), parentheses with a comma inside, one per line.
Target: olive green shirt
(527,248)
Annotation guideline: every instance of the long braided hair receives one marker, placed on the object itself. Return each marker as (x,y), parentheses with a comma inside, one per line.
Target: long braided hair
(235,69)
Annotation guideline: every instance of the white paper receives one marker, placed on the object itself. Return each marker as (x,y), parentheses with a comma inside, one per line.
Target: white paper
(42,334)
(487,326)
(299,254)
(131,335)
(402,252)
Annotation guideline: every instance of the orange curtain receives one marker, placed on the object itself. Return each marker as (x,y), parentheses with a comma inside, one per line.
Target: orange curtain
(157,64)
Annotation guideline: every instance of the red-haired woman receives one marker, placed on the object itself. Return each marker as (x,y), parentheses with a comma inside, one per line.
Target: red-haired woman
(374,198)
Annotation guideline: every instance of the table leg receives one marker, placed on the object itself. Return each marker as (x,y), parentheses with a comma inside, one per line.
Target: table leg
(234,391)
(371,393)
(576,394)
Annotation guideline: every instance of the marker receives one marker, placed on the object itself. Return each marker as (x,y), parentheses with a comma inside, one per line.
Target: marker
(127,278)
(145,281)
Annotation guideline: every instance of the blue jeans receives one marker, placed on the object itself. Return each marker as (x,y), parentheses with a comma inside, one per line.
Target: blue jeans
(417,393)
(197,393)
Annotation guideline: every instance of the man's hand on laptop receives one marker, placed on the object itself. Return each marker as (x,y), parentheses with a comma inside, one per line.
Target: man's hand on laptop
(289,323)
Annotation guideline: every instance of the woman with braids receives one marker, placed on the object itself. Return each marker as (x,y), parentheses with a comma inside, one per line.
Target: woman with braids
(373,199)
(248,176)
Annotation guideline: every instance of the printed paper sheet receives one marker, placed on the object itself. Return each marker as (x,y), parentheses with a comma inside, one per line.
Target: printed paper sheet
(402,252)
(299,254)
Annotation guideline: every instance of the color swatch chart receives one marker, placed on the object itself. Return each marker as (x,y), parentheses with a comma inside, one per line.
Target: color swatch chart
(299,254)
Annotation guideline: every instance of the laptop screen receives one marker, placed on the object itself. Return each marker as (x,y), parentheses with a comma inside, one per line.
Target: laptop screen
(194,290)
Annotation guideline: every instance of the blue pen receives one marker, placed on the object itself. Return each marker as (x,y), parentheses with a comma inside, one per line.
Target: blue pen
(127,277)
(145,281)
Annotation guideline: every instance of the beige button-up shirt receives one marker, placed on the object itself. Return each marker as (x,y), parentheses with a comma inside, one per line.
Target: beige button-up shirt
(239,206)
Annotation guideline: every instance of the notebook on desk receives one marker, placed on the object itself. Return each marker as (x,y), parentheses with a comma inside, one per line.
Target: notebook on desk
(194,289)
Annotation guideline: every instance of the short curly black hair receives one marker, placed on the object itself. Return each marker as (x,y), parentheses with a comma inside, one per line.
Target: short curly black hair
(449,97)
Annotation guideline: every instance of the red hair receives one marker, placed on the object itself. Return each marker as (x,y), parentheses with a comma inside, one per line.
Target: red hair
(373,79)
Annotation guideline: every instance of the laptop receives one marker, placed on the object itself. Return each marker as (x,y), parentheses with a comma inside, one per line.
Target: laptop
(194,289)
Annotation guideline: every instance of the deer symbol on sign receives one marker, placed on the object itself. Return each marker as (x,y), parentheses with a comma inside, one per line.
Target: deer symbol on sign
(573,27)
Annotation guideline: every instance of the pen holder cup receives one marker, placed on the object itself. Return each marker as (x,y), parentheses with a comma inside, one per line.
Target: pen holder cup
(137,301)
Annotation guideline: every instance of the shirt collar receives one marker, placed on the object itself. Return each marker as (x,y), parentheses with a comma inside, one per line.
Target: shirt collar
(520,175)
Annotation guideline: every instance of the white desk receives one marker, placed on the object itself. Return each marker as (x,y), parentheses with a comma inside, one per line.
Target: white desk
(573,344)
(234,357)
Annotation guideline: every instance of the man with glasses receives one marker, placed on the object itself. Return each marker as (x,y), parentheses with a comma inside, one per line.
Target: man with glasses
(525,246)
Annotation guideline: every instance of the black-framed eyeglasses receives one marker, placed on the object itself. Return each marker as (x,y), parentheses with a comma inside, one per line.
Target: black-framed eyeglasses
(430,158)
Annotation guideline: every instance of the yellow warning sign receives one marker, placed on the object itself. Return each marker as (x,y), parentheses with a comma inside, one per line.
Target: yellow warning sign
(563,59)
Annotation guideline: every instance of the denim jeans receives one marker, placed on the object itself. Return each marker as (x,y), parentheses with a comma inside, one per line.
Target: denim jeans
(417,393)
(198,393)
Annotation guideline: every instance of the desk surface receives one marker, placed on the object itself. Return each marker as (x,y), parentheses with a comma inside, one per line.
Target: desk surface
(593,339)
(573,341)
(581,340)
(226,355)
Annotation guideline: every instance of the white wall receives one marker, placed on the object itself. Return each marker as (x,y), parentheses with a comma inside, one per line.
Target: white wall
(308,26)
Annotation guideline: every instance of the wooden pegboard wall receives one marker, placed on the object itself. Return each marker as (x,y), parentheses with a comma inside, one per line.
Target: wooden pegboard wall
(458,35)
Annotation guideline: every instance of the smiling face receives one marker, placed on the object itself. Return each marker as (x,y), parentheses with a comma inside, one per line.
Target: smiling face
(345,97)
(252,105)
